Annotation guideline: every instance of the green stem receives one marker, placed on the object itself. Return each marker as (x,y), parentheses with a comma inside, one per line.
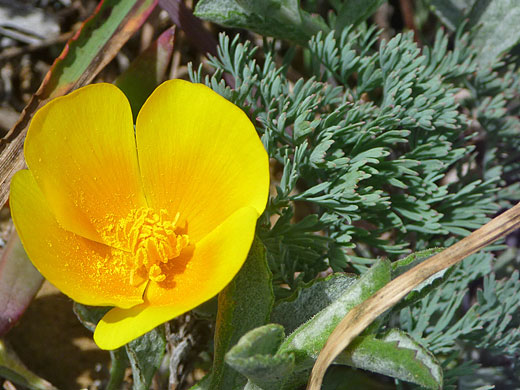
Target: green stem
(117,371)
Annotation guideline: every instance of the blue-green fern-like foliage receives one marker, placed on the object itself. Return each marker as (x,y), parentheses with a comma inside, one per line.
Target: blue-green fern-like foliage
(380,149)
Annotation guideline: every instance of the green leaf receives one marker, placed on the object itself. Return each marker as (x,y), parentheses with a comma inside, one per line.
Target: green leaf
(89,316)
(308,300)
(254,357)
(353,12)
(347,378)
(147,71)
(401,266)
(119,363)
(145,355)
(308,339)
(394,354)
(496,20)
(243,305)
(452,12)
(98,41)
(203,384)
(19,283)
(13,369)
(499,31)
(277,18)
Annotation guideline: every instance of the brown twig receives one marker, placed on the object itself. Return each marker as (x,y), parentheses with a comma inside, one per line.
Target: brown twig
(365,313)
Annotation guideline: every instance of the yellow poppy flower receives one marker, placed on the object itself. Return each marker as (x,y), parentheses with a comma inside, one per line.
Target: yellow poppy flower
(153,222)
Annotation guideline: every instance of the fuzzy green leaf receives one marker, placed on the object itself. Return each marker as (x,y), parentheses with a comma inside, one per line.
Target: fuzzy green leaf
(89,316)
(254,357)
(308,339)
(203,384)
(452,12)
(243,305)
(145,355)
(353,12)
(394,354)
(497,21)
(277,18)
(308,300)
(401,266)
(499,31)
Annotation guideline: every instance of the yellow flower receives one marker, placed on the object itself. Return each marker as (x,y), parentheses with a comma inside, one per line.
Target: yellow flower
(153,223)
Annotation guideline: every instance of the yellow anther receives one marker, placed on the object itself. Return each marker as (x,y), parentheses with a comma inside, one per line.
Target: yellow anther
(152,239)
(155,274)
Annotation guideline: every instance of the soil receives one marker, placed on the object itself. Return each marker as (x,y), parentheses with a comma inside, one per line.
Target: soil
(51,341)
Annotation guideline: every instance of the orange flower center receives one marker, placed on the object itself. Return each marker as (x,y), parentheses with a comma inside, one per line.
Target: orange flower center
(153,240)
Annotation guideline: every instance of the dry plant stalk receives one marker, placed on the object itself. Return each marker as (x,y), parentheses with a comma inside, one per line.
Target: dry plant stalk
(363,314)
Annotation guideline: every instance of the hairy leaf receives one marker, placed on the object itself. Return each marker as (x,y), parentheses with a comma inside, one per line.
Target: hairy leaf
(353,12)
(145,355)
(308,339)
(277,18)
(309,300)
(255,357)
(89,316)
(401,266)
(496,21)
(395,354)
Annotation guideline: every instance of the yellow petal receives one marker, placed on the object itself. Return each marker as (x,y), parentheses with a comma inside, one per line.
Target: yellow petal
(199,156)
(88,272)
(210,267)
(81,150)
